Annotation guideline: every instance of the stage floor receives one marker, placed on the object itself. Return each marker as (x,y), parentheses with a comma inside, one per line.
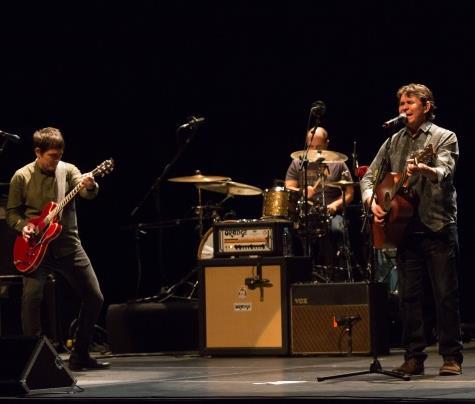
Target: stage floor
(189,377)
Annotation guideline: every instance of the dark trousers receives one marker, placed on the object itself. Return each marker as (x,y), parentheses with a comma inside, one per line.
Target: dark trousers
(76,268)
(433,256)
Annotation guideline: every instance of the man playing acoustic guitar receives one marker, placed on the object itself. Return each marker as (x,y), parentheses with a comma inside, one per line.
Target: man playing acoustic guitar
(32,187)
(428,248)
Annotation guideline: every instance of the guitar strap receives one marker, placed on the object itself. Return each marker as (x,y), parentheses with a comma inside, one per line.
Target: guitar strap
(60,183)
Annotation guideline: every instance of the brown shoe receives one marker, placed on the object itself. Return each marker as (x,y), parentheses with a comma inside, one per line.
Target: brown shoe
(450,368)
(411,366)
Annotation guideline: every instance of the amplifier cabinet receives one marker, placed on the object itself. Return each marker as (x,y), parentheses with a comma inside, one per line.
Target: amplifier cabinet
(244,304)
(321,315)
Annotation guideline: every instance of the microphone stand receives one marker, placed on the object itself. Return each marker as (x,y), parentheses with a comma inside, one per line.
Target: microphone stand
(155,185)
(167,168)
(375,366)
(303,167)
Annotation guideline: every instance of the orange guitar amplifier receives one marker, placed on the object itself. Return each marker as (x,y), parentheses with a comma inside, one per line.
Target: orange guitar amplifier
(269,237)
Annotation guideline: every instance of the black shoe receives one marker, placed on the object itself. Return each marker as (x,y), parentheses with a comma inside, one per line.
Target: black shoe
(411,366)
(86,362)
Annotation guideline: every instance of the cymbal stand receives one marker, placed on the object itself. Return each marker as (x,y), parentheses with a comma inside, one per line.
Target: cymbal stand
(304,169)
(346,248)
(199,210)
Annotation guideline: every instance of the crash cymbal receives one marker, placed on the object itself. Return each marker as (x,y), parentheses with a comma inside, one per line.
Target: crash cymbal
(314,155)
(342,183)
(199,178)
(232,188)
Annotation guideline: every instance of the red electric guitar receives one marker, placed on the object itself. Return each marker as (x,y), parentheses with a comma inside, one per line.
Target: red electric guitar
(394,196)
(28,254)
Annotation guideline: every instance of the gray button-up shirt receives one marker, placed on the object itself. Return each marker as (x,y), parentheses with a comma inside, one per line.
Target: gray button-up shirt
(437,200)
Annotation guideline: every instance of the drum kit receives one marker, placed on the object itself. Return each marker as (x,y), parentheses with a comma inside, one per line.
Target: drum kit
(279,202)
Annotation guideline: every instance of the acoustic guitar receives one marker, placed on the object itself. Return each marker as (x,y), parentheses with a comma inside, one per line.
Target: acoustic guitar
(395,197)
(28,254)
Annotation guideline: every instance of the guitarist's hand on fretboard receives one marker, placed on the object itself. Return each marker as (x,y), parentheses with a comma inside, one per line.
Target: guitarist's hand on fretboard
(420,168)
(88,182)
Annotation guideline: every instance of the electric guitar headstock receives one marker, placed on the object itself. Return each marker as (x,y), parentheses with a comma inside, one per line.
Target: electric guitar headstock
(104,168)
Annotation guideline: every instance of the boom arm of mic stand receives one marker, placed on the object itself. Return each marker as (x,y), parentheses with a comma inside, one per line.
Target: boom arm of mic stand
(167,168)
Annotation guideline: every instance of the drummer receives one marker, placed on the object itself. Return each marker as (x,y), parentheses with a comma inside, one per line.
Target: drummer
(325,198)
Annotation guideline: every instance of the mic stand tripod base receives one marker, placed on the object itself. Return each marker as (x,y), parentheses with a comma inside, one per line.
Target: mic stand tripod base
(375,367)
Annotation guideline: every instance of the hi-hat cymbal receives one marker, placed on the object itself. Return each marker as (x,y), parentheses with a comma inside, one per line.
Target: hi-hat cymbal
(232,188)
(315,155)
(342,183)
(199,178)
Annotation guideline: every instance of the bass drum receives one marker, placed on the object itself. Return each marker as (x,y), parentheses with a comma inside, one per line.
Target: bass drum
(206,248)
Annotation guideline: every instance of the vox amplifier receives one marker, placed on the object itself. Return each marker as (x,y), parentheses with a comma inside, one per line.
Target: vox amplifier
(252,238)
(322,316)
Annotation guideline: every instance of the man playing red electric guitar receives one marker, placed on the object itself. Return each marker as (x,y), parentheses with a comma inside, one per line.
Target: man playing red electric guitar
(32,187)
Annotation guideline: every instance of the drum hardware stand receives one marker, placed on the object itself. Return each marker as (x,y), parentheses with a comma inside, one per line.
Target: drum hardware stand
(169,292)
(346,248)
(375,366)
(304,169)
(140,230)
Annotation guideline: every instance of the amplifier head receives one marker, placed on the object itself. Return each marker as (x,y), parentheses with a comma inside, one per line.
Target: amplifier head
(252,237)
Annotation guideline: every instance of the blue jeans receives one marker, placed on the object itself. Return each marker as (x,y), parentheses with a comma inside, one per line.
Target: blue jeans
(431,255)
(76,268)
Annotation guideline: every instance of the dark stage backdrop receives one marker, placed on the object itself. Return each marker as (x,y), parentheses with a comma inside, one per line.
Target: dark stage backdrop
(119,77)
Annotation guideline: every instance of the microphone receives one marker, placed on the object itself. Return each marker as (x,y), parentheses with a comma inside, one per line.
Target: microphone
(392,122)
(192,123)
(318,108)
(255,282)
(10,136)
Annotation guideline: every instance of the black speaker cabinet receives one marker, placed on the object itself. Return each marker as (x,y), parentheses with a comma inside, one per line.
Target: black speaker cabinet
(7,239)
(244,304)
(153,326)
(31,364)
(323,315)
(52,307)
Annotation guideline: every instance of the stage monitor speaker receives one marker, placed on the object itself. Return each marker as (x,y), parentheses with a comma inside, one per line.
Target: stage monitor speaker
(322,314)
(29,364)
(7,239)
(244,304)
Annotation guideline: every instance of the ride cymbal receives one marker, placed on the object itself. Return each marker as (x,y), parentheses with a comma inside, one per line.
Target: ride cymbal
(199,178)
(316,155)
(232,188)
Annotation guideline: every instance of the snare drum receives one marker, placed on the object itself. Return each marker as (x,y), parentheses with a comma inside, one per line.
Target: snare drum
(280,202)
